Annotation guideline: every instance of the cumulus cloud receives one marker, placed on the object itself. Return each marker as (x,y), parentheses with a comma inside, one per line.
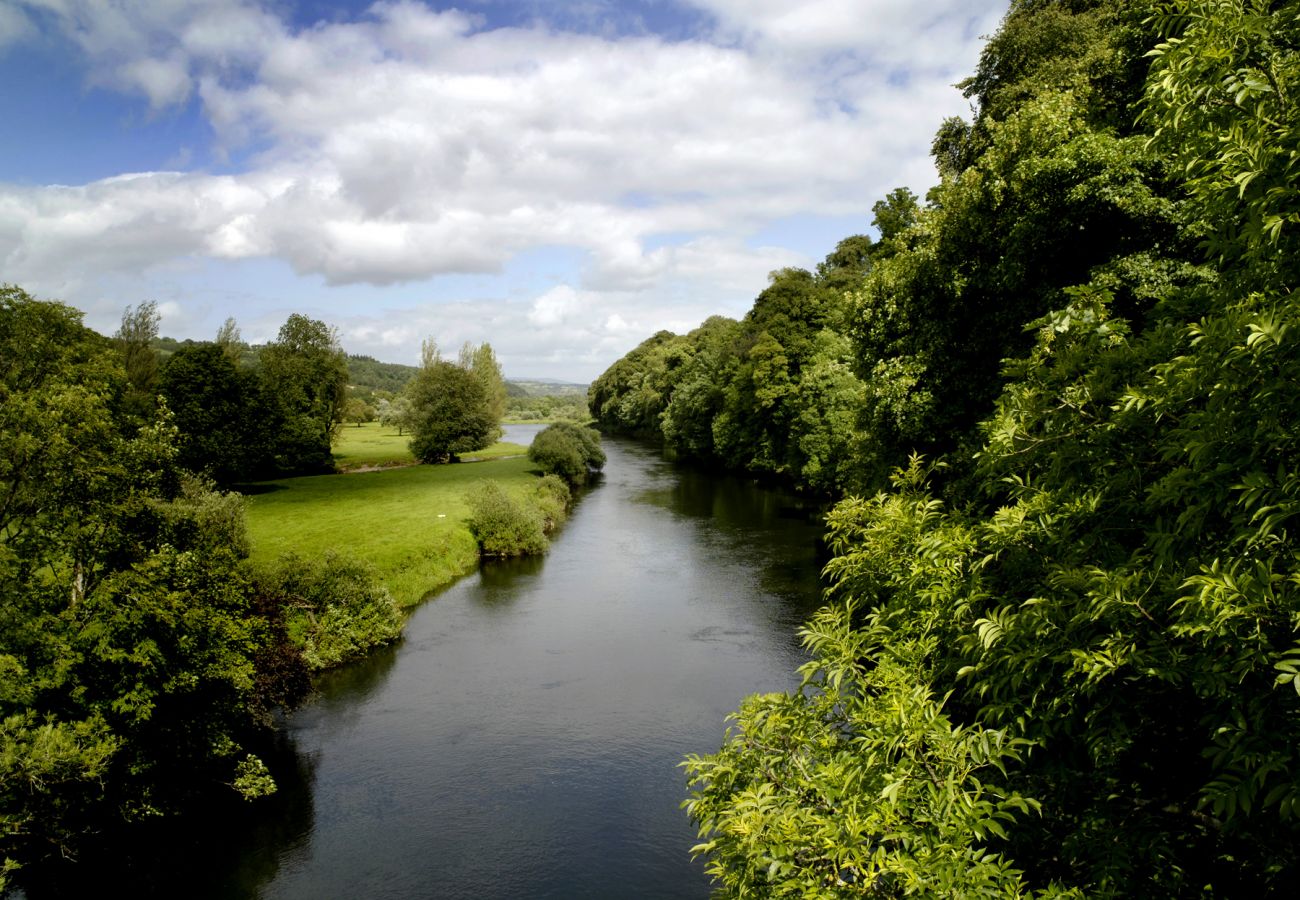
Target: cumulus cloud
(412,143)
(897,33)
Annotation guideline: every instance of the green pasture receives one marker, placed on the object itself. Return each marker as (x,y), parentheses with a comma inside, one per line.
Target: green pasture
(407,522)
(372,444)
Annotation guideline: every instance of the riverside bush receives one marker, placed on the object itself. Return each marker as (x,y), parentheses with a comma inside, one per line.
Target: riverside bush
(553,499)
(337,609)
(567,450)
(503,525)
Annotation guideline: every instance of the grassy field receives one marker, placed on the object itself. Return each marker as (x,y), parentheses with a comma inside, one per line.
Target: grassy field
(372,444)
(407,522)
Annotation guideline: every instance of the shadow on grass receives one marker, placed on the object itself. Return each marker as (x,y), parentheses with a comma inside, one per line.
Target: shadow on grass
(252,490)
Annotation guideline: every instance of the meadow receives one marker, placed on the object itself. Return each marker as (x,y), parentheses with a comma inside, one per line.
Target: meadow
(405,520)
(372,445)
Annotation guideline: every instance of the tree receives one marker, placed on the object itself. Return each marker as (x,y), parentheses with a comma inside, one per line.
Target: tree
(227,423)
(230,340)
(395,413)
(567,450)
(503,525)
(483,363)
(357,411)
(131,649)
(449,413)
(134,337)
(1074,670)
(307,370)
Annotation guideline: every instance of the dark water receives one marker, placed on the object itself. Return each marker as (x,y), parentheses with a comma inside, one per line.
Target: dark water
(523,739)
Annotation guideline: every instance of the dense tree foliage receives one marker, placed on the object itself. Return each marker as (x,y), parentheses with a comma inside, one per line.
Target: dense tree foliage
(506,525)
(334,608)
(568,451)
(371,375)
(138,330)
(454,407)
(1062,657)
(525,407)
(138,663)
(482,362)
(228,418)
(308,370)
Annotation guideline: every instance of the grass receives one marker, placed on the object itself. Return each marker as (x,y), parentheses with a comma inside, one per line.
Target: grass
(407,522)
(374,445)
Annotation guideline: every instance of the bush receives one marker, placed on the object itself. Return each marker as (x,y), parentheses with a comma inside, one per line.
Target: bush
(502,525)
(567,450)
(336,607)
(553,499)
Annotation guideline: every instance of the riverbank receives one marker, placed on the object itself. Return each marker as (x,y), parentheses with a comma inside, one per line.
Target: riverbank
(540,706)
(407,522)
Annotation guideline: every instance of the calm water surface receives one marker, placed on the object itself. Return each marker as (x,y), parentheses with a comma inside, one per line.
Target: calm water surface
(523,739)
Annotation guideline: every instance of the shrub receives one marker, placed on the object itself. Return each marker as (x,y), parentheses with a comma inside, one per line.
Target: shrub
(567,450)
(336,607)
(502,525)
(553,499)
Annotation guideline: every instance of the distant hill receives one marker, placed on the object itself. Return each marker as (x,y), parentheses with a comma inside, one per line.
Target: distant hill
(367,374)
(167,346)
(546,387)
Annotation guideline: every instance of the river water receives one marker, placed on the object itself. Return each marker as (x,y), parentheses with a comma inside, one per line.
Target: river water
(523,738)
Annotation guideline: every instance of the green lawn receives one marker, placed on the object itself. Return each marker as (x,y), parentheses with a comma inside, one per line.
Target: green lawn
(373,444)
(407,522)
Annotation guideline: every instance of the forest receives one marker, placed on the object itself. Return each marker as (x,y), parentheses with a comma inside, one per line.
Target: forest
(1054,405)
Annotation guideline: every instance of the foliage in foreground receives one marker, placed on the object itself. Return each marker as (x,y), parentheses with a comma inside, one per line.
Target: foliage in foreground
(1076,667)
(336,609)
(138,664)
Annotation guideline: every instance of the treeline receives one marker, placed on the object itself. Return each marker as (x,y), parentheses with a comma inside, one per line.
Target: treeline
(1061,651)
(547,408)
(141,656)
(241,415)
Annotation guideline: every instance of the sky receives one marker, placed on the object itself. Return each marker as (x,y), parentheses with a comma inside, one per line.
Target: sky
(560,178)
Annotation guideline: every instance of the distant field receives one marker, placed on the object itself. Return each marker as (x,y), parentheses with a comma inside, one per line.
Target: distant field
(406,522)
(373,444)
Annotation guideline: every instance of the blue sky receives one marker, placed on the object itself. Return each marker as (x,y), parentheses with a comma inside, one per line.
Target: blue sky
(561,179)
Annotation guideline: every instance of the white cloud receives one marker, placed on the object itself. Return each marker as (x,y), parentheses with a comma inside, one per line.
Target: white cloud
(896,33)
(415,143)
(14,26)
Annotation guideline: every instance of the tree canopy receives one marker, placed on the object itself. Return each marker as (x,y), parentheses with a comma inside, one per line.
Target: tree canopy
(310,374)
(138,664)
(1061,651)
(450,411)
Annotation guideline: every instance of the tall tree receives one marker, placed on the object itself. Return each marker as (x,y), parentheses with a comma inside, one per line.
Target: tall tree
(1070,673)
(449,412)
(482,361)
(227,419)
(307,369)
(134,336)
(230,340)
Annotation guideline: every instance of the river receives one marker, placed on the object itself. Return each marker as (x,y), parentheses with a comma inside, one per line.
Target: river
(522,740)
